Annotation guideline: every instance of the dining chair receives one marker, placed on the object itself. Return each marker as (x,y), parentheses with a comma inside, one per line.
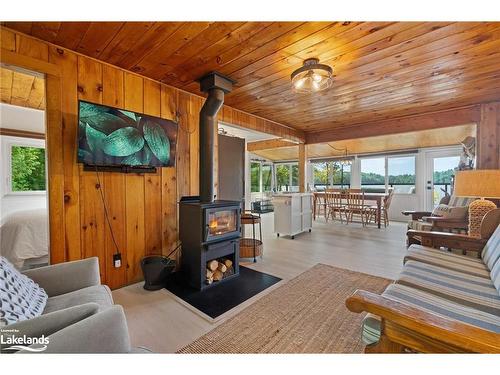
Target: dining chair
(334,204)
(384,210)
(356,206)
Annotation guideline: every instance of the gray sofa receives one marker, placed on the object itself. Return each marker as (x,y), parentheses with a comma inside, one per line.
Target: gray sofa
(79,316)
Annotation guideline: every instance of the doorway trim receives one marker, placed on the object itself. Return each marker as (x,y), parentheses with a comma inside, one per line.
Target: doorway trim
(53,139)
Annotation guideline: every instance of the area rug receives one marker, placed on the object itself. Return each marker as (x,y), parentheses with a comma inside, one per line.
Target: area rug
(305,315)
(219,299)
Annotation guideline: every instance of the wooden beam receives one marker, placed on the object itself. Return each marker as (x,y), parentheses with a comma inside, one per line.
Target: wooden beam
(269,144)
(21,133)
(488,137)
(26,62)
(302,167)
(232,116)
(435,120)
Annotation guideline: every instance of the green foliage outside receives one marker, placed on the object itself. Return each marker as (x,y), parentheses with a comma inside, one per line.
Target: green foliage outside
(282,176)
(255,177)
(267,176)
(443,177)
(323,171)
(28,168)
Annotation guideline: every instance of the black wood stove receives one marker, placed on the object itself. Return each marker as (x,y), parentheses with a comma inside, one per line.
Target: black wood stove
(209,229)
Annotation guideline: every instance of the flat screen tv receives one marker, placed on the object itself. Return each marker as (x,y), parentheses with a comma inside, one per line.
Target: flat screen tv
(110,136)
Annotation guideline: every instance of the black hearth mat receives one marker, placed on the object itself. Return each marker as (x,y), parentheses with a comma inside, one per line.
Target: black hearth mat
(218,299)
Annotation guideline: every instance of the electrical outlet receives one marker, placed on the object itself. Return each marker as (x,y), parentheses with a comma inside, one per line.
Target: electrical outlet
(117,260)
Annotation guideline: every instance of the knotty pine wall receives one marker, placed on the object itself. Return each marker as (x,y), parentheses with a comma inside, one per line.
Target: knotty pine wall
(142,207)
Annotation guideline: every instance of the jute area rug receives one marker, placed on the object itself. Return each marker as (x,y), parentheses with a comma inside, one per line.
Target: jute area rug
(305,315)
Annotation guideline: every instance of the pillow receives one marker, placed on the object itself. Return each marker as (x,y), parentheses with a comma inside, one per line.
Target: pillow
(449,212)
(20,297)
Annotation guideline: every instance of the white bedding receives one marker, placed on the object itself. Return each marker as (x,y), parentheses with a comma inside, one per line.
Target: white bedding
(24,235)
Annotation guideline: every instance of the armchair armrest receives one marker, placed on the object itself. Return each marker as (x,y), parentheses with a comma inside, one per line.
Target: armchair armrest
(443,222)
(443,239)
(104,332)
(67,277)
(450,332)
(50,323)
(416,215)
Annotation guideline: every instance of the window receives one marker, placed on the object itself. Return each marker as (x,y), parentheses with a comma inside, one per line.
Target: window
(397,172)
(23,166)
(255,177)
(331,174)
(341,175)
(295,178)
(27,168)
(267,177)
(320,174)
(401,174)
(373,174)
(282,177)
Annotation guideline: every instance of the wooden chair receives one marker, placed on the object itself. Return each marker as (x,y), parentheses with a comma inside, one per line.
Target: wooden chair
(356,206)
(334,204)
(384,209)
(423,220)
(354,190)
(454,241)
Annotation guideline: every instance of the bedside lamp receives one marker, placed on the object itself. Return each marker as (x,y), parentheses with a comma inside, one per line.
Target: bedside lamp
(478,183)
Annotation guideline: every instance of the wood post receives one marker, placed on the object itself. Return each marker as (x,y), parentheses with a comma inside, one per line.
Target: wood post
(488,137)
(302,167)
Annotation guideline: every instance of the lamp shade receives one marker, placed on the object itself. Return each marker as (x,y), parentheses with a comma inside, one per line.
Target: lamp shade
(480,183)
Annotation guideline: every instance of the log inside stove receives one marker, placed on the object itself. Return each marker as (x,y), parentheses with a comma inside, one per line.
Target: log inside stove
(218,269)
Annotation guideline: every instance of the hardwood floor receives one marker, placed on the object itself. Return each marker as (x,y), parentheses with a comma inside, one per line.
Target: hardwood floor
(160,322)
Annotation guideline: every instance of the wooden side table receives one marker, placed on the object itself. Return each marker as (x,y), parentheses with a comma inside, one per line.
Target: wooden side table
(251,247)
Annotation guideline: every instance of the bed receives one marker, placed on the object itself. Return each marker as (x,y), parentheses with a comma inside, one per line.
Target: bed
(24,238)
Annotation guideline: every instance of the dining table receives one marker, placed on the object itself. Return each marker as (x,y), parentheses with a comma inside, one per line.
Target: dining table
(376,197)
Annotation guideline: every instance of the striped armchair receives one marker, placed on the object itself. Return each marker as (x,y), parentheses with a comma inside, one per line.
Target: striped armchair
(441,302)
(424,221)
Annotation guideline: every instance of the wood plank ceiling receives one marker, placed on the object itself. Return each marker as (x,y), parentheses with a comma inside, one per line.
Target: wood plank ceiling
(382,70)
(21,88)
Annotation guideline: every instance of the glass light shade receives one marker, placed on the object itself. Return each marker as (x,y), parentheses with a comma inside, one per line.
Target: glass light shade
(312,77)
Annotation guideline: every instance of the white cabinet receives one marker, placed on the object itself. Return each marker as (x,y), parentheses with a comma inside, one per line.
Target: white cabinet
(292,213)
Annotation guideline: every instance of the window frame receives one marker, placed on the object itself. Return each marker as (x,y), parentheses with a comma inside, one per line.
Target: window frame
(386,170)
(415,169)
(8,143)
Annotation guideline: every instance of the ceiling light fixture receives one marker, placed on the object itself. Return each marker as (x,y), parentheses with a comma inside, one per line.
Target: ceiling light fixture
(312,77)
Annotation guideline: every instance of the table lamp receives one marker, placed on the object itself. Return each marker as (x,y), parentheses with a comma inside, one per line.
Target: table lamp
(478,183)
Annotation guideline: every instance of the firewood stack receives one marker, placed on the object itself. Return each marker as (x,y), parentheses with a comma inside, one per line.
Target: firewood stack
(218,269)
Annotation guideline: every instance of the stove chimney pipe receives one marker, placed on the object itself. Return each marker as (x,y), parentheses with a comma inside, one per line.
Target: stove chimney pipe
(216,85)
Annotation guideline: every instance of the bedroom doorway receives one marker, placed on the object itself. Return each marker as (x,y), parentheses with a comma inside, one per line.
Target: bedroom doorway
(24,219)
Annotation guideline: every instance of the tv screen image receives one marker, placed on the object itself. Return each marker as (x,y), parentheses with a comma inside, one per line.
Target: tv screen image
(110,136)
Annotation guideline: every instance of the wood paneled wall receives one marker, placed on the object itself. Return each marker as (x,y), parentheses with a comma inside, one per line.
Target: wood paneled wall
(142,207)
(488,137)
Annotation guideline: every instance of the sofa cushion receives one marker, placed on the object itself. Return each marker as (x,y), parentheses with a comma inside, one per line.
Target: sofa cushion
(99,294)
(419,225)
(372,326)
(450,212)
(495,276)
(460,201)
(491,251)
(441,258)
(20,297)
(469,290)
(443,307)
